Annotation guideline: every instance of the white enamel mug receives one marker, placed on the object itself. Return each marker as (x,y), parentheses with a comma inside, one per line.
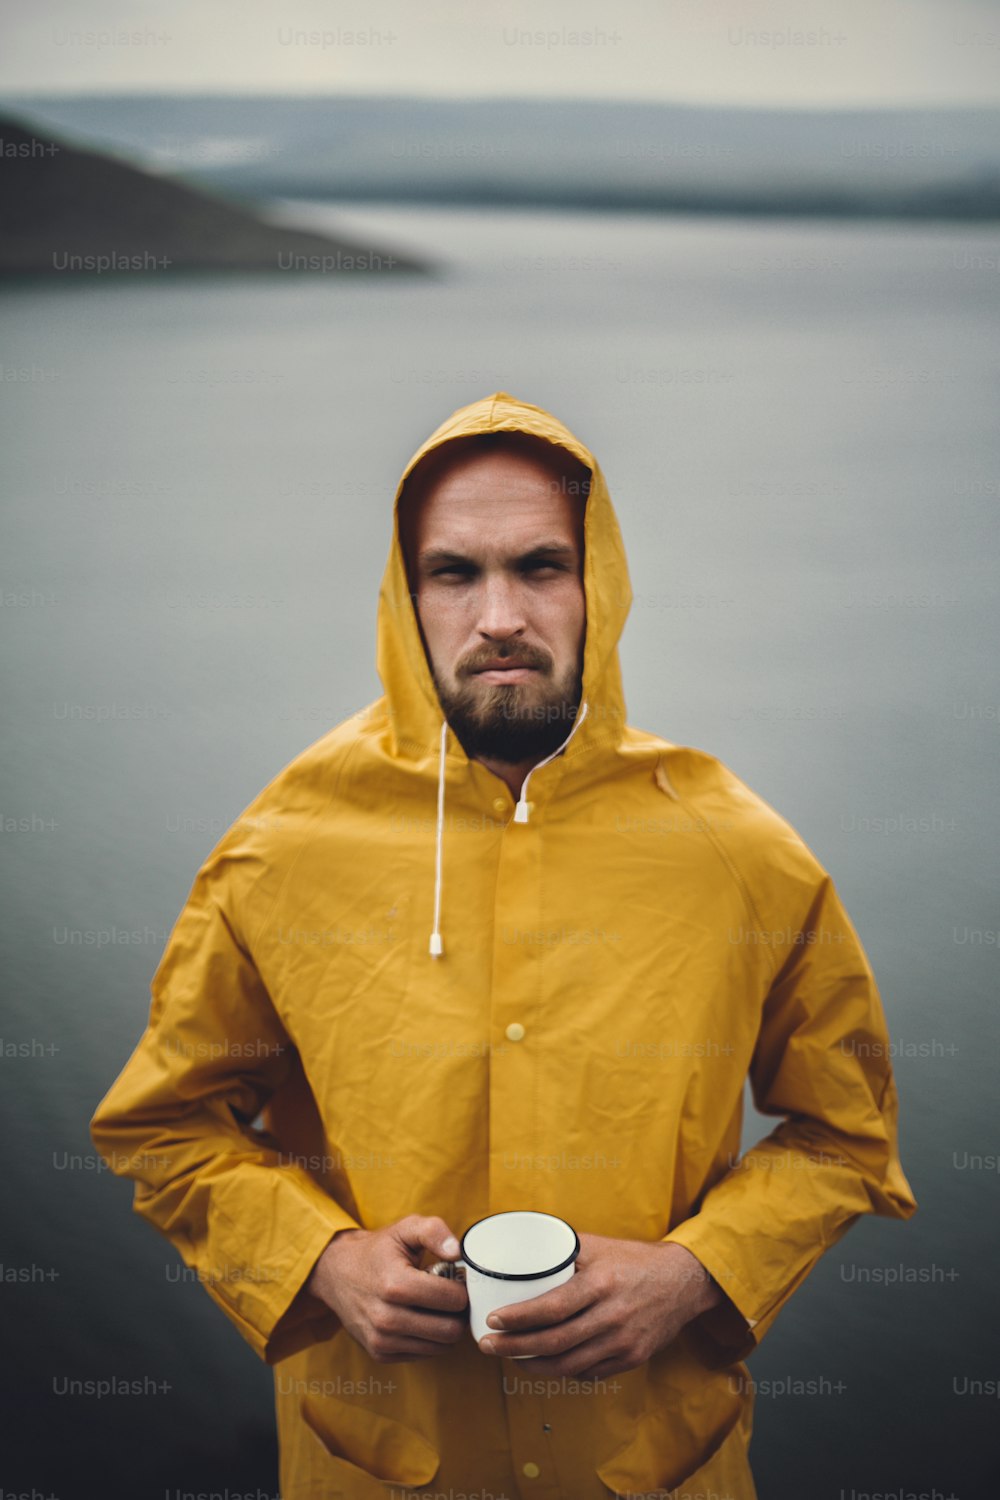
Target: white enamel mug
(511,1257)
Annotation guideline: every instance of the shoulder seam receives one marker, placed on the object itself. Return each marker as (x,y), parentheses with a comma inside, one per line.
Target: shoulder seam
(729,863)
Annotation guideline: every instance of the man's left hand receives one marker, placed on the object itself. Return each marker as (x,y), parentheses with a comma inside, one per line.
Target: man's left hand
(627,1299)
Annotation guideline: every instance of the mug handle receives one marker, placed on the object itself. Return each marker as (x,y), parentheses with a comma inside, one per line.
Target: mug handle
(451,1270)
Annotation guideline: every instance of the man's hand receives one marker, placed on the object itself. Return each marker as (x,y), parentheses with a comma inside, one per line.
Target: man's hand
(394,1311)
(627,1299)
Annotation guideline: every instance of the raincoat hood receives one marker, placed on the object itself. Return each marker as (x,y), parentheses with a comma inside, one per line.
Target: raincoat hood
(415,713)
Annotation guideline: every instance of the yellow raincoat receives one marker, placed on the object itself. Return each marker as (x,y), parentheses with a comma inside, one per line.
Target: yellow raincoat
(658,932)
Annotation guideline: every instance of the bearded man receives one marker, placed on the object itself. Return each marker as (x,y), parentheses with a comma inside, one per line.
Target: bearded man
(487,947)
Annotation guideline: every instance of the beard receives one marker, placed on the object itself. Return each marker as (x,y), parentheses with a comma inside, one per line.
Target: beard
(514,722)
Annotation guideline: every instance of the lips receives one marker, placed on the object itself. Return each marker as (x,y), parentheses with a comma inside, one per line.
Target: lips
(506,666)
(506,672)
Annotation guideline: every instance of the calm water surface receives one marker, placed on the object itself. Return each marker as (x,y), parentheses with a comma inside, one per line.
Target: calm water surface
(798,425)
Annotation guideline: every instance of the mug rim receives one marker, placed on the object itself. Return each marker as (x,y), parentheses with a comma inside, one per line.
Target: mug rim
(520,1275)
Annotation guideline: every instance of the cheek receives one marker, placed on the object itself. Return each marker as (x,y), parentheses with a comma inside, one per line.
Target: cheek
(444,622)
(566,617)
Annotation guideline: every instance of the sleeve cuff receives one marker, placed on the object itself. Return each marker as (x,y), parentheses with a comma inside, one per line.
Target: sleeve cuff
(260,1283)
(724,1334)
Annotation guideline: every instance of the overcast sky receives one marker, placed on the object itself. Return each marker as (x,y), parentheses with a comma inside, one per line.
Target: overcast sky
(784,52)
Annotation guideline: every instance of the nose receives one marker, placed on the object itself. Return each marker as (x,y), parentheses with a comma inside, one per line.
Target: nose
(501,613)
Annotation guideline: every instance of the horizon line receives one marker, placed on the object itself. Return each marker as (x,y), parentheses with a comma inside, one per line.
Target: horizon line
(354,95)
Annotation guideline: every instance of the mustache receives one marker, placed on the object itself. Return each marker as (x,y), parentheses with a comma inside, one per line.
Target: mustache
(524,656)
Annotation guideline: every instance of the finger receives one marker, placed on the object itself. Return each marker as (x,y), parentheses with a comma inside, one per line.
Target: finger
(551,1307)
(405,1286)
(435,1328)
(545,1341)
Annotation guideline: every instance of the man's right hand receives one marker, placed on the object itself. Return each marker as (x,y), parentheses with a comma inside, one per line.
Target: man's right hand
(396,1312)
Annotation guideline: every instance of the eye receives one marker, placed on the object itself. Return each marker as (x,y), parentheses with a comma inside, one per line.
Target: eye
(455,570)
(544,567)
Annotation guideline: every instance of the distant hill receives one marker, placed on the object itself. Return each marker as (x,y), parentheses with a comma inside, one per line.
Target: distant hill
(74,211)
(933,163)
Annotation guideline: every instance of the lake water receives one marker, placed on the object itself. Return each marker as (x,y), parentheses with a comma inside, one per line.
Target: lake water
(798,425)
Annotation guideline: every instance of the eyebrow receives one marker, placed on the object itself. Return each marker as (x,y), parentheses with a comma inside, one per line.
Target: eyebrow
(541,549)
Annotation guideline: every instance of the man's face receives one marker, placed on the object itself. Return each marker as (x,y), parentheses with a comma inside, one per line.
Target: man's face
(494,552)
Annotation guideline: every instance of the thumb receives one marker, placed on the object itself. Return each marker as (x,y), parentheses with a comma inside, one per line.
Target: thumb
(430,1233)
(449,1247)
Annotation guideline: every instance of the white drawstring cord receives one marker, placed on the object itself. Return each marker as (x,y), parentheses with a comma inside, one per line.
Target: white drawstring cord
(521,810)
(436,945)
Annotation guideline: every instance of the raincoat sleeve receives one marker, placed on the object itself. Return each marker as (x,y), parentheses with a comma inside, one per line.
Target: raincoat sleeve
(821,1061)
(178,1120)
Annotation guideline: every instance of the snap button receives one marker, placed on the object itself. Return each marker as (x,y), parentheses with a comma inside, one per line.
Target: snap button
(531,1470)
(499,805)
(514,1032)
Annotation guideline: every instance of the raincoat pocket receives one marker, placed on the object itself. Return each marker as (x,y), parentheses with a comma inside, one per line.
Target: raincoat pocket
(365,1450)
(664,1449)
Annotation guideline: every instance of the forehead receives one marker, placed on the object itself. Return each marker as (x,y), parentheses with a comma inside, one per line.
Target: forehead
(501,498)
